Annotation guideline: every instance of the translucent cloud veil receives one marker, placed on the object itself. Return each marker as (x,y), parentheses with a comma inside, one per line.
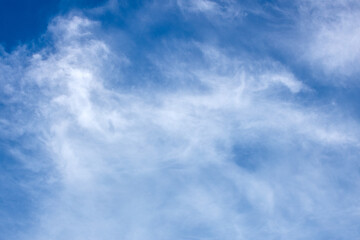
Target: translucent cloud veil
(196,142)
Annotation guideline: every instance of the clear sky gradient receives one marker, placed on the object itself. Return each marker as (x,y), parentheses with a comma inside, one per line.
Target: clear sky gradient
(179,119)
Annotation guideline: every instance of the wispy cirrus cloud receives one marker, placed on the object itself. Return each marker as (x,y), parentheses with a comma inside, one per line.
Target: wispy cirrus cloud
(229,148)
(224,9)
(335,36)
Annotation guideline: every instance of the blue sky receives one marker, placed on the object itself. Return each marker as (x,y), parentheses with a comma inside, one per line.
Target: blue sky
(179,119)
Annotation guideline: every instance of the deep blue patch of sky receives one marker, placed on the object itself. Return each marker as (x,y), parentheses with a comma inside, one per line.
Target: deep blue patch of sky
(22,21)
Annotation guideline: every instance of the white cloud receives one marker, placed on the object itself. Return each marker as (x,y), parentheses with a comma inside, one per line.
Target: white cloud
(211,9)
(333,35)
(132,166)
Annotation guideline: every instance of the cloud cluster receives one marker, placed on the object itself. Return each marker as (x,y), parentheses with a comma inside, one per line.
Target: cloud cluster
(234,153)
(332,35)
